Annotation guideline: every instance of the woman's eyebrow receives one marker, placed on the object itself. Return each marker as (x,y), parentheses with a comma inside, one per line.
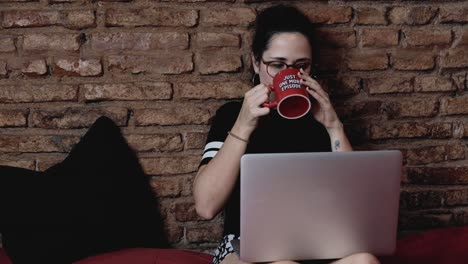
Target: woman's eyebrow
(279,58)
(303,59)
(296,61)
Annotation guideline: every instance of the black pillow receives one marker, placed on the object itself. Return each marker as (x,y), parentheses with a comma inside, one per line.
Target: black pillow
(97,200)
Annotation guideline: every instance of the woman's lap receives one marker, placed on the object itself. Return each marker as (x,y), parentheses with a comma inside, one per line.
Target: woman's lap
(226,254)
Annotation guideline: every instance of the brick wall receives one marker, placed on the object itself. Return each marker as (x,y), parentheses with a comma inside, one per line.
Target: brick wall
(397,71)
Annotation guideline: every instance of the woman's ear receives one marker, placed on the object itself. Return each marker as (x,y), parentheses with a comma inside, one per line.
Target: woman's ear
(255,63)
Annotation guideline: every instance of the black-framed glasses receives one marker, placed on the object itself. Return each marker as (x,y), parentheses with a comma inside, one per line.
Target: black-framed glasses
(273,67)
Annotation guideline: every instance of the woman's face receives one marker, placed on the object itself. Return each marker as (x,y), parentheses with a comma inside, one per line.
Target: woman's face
(290,48)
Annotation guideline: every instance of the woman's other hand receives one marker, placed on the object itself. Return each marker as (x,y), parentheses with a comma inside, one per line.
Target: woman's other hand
(323,110)
(251,110)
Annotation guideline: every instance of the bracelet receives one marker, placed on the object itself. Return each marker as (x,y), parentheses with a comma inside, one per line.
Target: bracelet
(237,137)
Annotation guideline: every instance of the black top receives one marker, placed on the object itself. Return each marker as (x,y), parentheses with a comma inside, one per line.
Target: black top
(274,134)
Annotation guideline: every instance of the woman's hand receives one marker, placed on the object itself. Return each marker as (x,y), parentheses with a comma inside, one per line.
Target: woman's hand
(323,110)
(251,110)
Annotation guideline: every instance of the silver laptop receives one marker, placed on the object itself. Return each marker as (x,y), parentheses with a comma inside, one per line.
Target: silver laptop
(298,206)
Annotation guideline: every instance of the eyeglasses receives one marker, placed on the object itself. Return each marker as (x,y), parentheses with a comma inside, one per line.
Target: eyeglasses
(273,67)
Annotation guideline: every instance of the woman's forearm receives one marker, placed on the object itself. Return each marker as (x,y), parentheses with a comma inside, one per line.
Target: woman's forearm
(338,139)
(215,181)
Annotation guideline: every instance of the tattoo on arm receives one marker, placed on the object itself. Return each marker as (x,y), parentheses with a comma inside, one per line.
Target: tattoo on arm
(337,144)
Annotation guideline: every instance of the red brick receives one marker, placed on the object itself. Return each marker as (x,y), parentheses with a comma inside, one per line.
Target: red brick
(455,14)
(359,109)
(428,37)
(78,67)
(127,91)
(459,79)
(389,85)
(371,16)
(139,41)
(155,142)
(329,14)
(46,163)
(170,165)
(427,155)
(37,143)
(413,60)
(412,15)
(421,198)
(169,17)
(30,18)
(337,37)
(206,90)
(25,164)
(35,68)
(76,117)
(344,86)
(458,130)
(456,197)
(385,37)
(195,140)
(185,211)
(367,61)
(357,132)
(413,108)
(211,39)
(212,63)
(438,175)
(455,58)
(13,118)
(166,186)
(454,106)
(227,17)
(187,184)
(330,60)
(7,45)
(174,232)
(399,130)
(37,42)
(460,216)
(455,152)
(29,93)
(172,116)
(462,38)
(205,234)
(173,63)
(164,205)
(78,19)
(433,84)
(442,130)
(3,69)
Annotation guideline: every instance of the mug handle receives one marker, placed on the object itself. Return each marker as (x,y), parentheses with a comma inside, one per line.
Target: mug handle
(270,104)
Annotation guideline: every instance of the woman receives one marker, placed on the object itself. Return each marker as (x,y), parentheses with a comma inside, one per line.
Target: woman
(282,39)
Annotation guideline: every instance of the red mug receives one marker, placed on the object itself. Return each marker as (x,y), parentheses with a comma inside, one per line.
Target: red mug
(291,98)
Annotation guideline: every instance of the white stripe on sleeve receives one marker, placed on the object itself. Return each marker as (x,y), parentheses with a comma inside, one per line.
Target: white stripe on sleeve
(210,154)
(213,145)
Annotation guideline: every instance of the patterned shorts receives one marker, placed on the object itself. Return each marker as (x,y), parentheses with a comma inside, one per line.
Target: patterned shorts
(224,249)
